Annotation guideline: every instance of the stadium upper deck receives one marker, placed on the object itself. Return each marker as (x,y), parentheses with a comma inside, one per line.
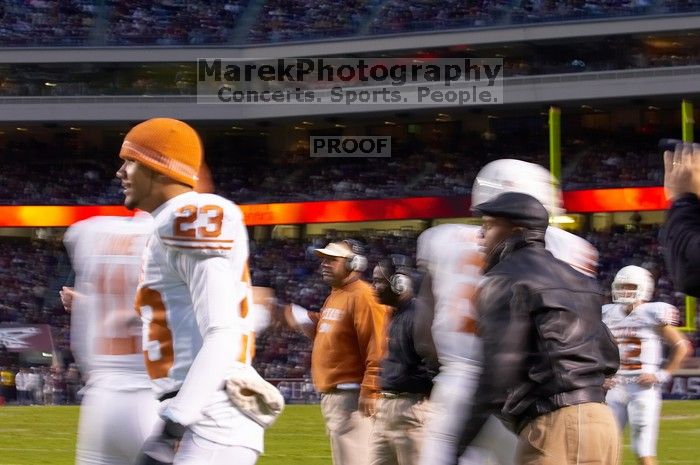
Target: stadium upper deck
(564,56)
(56,51)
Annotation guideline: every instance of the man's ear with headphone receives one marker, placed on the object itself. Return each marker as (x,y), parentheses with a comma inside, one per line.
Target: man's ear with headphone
(400,283)
(400,280)
(358,261)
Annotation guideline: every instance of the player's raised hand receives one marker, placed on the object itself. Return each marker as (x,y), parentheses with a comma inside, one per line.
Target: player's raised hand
(682,170)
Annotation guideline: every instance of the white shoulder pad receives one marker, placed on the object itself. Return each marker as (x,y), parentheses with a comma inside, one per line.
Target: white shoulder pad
(609,313)
(663,314)
(572,249)
(201,224)
(607,308)
(90,236)
(448,248)
(73,234)
(439,242)
(74,240)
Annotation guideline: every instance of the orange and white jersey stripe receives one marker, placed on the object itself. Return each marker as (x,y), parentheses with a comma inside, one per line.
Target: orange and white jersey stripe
(105,330)
(194,300)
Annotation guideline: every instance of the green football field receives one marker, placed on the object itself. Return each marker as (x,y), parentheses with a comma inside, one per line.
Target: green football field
(46,435)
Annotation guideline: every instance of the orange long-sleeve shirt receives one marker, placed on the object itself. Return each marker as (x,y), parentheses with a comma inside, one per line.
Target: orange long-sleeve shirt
(349,338)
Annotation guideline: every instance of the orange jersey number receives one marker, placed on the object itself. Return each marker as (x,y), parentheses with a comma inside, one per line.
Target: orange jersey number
(630,350)
(187,216)
(158,351)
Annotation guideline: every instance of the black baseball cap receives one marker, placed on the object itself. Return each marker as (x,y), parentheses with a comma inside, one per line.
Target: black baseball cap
(521,209)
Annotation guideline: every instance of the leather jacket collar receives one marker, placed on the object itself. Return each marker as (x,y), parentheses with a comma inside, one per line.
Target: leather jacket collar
(525,238)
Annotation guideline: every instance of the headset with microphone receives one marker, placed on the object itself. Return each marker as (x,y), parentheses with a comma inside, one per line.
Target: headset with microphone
(400,267)
(357,261)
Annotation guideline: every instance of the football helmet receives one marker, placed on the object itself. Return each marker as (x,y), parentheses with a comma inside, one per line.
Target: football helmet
(632,275)
(510,175)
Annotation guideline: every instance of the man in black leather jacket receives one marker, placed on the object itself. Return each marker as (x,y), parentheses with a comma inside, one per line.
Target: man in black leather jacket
(546,351)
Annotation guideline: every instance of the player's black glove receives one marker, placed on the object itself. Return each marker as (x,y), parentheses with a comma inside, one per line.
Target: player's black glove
(160,449)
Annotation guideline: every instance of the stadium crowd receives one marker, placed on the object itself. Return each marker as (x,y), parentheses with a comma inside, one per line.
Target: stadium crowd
(279,20)
(396,17)
(139,22)
(29,270)
(46,22)
(415,169)
(175,22)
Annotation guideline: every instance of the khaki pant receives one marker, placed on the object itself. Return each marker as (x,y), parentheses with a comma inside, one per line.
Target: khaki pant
(579,434)
(398,430)
(347,428)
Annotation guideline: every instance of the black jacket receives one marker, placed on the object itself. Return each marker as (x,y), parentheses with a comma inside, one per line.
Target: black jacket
(405,368)
(680,237)
(545,345)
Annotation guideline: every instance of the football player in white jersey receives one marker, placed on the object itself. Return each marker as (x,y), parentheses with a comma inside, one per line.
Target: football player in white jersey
(118,410)
(453,259)
(193,299)
(640,328)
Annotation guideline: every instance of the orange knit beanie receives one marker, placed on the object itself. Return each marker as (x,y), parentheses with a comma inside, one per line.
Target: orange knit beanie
(167,146)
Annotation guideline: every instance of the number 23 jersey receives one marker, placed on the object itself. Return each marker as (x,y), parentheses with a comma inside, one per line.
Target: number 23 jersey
(193,299)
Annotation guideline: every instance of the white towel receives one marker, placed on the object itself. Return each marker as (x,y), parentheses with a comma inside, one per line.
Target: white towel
(255,398)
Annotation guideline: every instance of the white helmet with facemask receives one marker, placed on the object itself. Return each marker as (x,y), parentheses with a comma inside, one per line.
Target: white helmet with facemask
(510,175)
(632,284)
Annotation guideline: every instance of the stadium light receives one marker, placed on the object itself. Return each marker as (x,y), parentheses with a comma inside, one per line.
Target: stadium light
(562,219)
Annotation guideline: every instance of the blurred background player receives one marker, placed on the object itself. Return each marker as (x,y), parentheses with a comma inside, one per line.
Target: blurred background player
(348,333)
(452,258)
(193,298)
(407,374)
(119,410)
(640,328)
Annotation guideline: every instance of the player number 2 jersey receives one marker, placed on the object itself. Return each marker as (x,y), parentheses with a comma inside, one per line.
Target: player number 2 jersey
(638,334)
